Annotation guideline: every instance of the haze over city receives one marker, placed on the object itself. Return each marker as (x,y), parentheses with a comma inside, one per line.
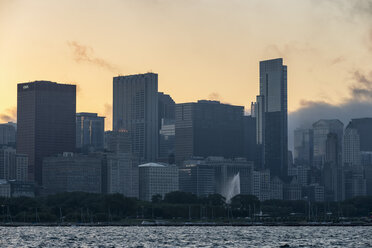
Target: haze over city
(200,49)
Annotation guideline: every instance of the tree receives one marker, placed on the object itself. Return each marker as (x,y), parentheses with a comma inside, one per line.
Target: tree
(156,198)
(179,197)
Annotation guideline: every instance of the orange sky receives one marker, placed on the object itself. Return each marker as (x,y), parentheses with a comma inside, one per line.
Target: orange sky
(200,49)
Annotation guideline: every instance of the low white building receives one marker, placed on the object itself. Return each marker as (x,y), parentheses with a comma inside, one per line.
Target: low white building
(157,179)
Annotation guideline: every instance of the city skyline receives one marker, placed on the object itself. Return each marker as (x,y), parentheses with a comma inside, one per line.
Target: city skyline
(212,53)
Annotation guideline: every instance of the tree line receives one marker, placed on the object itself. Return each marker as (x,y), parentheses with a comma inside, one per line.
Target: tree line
(79,207)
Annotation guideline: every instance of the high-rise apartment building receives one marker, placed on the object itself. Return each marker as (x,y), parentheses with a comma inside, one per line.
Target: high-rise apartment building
(46,122)
(135,109)
(272,117)
(208,128)
(90,129)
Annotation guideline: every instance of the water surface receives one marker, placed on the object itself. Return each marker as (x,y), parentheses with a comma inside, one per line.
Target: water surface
(186,236)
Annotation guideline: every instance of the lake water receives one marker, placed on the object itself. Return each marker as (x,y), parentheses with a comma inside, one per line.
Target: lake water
(186,236)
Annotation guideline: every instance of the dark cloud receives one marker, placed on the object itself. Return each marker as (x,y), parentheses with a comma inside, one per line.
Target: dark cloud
(85,54)
(357,105)
(9,115)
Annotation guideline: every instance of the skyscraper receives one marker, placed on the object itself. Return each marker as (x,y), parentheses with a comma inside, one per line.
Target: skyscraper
(208,128)
(271,116)
(351,148)
(303,146)
(90,129)
(364,128)
(135,109)
(46,122)
(321,130)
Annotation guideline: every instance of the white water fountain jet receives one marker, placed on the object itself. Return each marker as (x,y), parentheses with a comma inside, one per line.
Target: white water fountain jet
(232,188)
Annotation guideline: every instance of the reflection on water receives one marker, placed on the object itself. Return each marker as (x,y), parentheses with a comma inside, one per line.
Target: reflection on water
(186,236)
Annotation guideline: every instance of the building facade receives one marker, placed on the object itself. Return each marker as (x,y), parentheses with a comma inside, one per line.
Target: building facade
(90,129)
(351,148)
(122,175)
(272,117)
(157,179)
(46,123)
(303,146)
(135,109)
(7,134)
(73,172)
(208,128)
(321,130)
(214,175)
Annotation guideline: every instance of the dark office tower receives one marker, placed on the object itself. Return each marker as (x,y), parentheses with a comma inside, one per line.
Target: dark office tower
(135,109)
(303,146)
(208,128)
(333,178)
(250,145)
(321,129)
(364,128)
(166,124)
(272,124)
(90,131)
(46,122)
(167,107)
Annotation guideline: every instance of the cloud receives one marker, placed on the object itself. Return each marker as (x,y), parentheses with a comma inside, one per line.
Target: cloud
(108,115)
(337,60)
(214,96)
(357,105)
(85,54)
(10,115)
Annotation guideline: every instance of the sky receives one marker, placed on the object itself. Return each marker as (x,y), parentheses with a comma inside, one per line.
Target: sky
(201,49)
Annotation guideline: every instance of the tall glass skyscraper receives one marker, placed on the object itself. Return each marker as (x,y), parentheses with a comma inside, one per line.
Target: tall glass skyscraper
(272,120)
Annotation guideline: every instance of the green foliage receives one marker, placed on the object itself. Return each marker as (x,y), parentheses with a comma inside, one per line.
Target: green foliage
(86,207)
(179,197)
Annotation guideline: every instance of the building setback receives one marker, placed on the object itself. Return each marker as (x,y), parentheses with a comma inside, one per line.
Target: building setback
(135,109)
(208,128)
(46,122)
